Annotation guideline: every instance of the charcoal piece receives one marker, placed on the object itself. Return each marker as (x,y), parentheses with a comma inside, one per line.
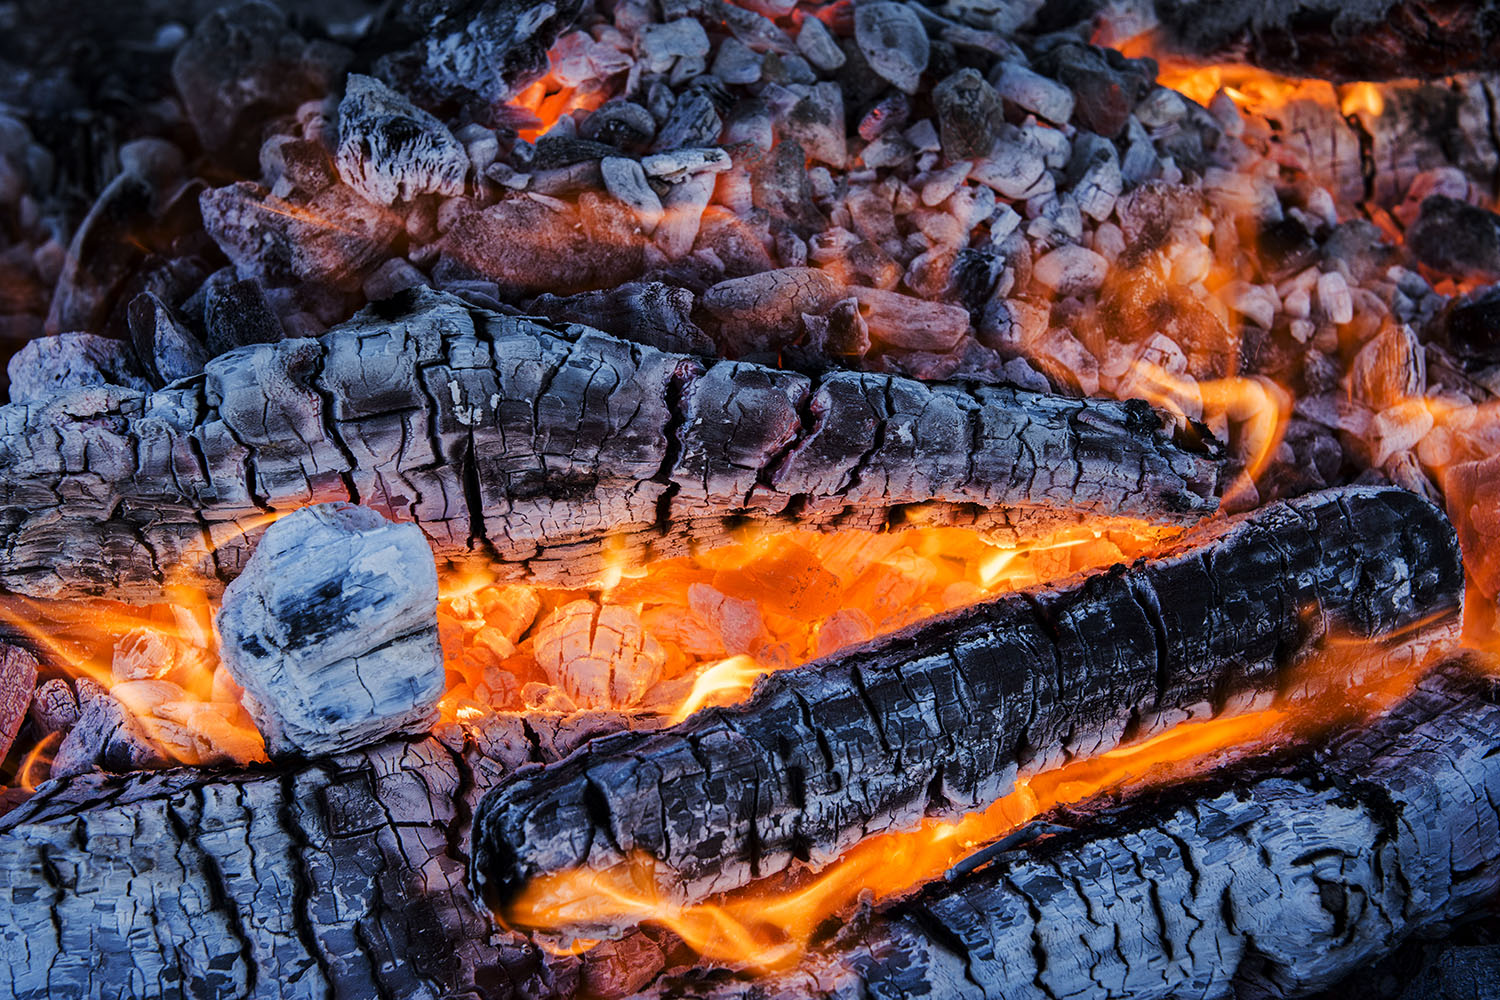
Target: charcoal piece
(622,124)
(535,444)
(395,275)
(106,735)
(296,167)
(1285,247)
(760,311)
(845,333)
(973,278)
(694,121)
(735,63)
(530,247)
(236,313)
(242,65)
(1014,168)
(678,165)
(894,43)
(1300,873)
(332,239)
(625,180)
(1457,238)
(817,43)
(470,54)
(390,150)
(968,112)
(1150,213)
(18,670)
(816,123)
(1470,327)
(1027,89)
(945,717)
(332,631)
(553,151)
(48,365)
(167,349)
(911,323)
(1106,86)
(738,241)
(54,707)
(682,213)
(647,312)
(779,185)
(1093,176)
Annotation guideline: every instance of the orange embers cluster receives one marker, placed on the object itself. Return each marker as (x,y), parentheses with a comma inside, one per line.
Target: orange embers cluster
(548,99)
(771,924)
(679,634)
(160,662)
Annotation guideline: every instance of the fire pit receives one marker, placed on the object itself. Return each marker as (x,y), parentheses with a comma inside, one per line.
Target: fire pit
(766,499)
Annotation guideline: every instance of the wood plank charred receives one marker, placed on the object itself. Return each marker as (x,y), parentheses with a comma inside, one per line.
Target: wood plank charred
(344,876)
(1268,879)
(531,445)
(941,719)
(1340,40)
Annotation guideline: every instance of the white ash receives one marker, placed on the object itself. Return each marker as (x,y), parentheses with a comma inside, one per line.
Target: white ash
(332,631)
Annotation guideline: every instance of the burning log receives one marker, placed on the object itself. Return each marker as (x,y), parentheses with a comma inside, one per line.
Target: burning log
(531,445)
(1268,878)
(1351,40)
(941,719)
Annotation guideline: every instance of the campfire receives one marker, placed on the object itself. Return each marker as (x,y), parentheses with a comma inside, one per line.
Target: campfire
(750,498)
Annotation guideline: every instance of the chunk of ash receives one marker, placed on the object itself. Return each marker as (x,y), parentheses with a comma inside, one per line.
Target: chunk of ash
(332,631)
(390,150)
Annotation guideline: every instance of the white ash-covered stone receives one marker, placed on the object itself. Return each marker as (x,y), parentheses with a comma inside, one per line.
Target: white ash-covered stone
(332,630)
(390,150)
(909,322)
(1046,98)
(893,42)
(625,180)
(968,111)
(54,707)
(68,361)
(818,45)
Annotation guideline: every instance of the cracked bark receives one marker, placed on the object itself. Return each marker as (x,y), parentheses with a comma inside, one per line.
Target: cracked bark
(532,445)
(942,718)
(1268,879)
(344,876)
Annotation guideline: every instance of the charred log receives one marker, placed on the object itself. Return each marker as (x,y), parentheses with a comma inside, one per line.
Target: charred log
(1339,39)
(1264,880)
(941,719)
(340,877)
(531,445)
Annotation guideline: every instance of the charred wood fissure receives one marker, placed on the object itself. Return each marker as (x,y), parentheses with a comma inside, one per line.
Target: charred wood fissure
(1267,879)
(563,435)
(331,878)
(1340,39)
(824,755)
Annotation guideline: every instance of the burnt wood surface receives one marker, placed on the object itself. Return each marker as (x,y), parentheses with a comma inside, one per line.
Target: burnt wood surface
(1266,880)
(942,718)
(531,445)
(1340,39)
(339,877)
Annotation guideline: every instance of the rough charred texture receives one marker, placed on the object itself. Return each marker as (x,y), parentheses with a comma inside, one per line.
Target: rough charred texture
(1340,39)
(532,445)
(942,718)
(344,877)
(1262,881)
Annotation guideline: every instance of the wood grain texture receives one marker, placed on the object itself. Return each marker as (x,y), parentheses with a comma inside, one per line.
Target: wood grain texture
(942,718)
(1267,880)
(531,445)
